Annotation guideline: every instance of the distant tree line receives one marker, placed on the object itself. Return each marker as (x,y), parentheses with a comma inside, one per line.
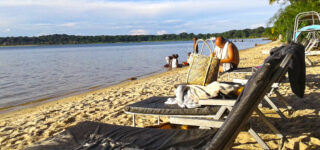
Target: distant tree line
(74,39)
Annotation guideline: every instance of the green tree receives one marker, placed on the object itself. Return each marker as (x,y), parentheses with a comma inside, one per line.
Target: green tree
(283,20)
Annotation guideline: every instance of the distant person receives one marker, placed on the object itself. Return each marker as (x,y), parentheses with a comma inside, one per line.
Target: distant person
(187,63)
(228,54)
(174,61)
(195,45)
(168,61)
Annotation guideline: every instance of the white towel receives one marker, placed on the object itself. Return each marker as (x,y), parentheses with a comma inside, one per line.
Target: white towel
(187,96)
(223,54)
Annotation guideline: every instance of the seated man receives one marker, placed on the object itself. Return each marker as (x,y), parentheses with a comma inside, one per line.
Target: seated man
(188,62)
(228,54)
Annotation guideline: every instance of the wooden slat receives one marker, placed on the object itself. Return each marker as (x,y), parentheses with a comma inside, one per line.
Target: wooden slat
(196,122)
(217,102)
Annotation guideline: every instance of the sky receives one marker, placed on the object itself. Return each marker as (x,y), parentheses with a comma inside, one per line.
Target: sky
(130,17)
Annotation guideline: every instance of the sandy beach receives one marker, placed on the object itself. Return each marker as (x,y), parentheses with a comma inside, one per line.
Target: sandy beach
(26,127)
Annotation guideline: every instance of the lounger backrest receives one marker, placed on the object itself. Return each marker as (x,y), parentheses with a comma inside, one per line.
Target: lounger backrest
(258,85)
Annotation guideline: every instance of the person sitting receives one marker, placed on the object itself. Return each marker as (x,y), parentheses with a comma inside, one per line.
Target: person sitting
(168,61)
(228,54)
(187,63)
(174,61)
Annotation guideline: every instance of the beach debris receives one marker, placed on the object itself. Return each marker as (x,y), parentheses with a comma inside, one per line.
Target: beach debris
(133,78)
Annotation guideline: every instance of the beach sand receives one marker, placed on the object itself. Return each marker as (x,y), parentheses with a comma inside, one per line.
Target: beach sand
(26,127)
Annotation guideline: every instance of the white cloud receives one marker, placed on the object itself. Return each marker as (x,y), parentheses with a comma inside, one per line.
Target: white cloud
(222,21)
(122,17)
(70,24)
(42,34)
(137,9)
(161,32)
(257,25)
(43,24)
(7,30)
(138,32)
(173,21)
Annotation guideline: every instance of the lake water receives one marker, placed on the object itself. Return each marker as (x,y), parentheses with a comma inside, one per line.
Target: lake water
(31,73)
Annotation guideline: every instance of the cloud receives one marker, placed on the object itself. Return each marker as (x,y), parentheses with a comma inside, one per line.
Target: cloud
(43,24)
(258,25)
(172,21)
(161,32)
(7,30)
(135,9)
(138,32)
(96,17)
(222,21)
(70,24)
(42,34)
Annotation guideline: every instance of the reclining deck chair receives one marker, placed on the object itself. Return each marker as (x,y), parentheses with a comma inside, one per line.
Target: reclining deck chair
(212,108)
(91,135)
(308,22)
(297,60)
(310,48)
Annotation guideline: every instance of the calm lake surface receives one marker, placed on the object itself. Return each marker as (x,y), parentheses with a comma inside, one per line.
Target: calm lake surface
(31,73)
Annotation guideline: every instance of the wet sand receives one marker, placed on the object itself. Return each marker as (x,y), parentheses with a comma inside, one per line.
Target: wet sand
(26,127)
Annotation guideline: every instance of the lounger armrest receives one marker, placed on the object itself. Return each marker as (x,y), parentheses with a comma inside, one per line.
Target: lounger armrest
(217,102)
(244,81)
(241,81)
(312,53)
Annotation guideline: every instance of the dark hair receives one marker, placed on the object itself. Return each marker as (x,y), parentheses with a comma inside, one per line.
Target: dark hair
(222,39)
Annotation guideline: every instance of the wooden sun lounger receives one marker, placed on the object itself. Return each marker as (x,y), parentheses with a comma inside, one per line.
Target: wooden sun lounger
(217,123)
(217,118)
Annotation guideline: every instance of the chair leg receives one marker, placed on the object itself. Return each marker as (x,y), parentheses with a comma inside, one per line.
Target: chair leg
(133,120)
(308,61)
(258,139)
(282,99)
(267,122)
(274,107)
(229,108)
(220,113)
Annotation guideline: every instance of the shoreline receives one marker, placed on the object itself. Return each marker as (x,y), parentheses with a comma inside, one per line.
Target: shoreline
(44,100)
(74,95)
(35,45)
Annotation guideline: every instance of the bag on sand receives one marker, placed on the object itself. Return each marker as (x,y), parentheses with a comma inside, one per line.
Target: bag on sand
(203,69)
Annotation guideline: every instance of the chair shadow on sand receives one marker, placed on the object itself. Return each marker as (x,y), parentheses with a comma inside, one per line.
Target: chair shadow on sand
(303,122)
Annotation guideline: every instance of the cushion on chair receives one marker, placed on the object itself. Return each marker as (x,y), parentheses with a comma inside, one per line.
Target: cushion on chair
(97,136)
(155,105)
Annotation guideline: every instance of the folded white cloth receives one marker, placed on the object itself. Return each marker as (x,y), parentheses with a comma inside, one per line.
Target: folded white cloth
(187,96)
(171,101)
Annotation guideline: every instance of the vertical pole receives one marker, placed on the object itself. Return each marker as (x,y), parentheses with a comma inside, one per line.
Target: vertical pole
(133,120)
